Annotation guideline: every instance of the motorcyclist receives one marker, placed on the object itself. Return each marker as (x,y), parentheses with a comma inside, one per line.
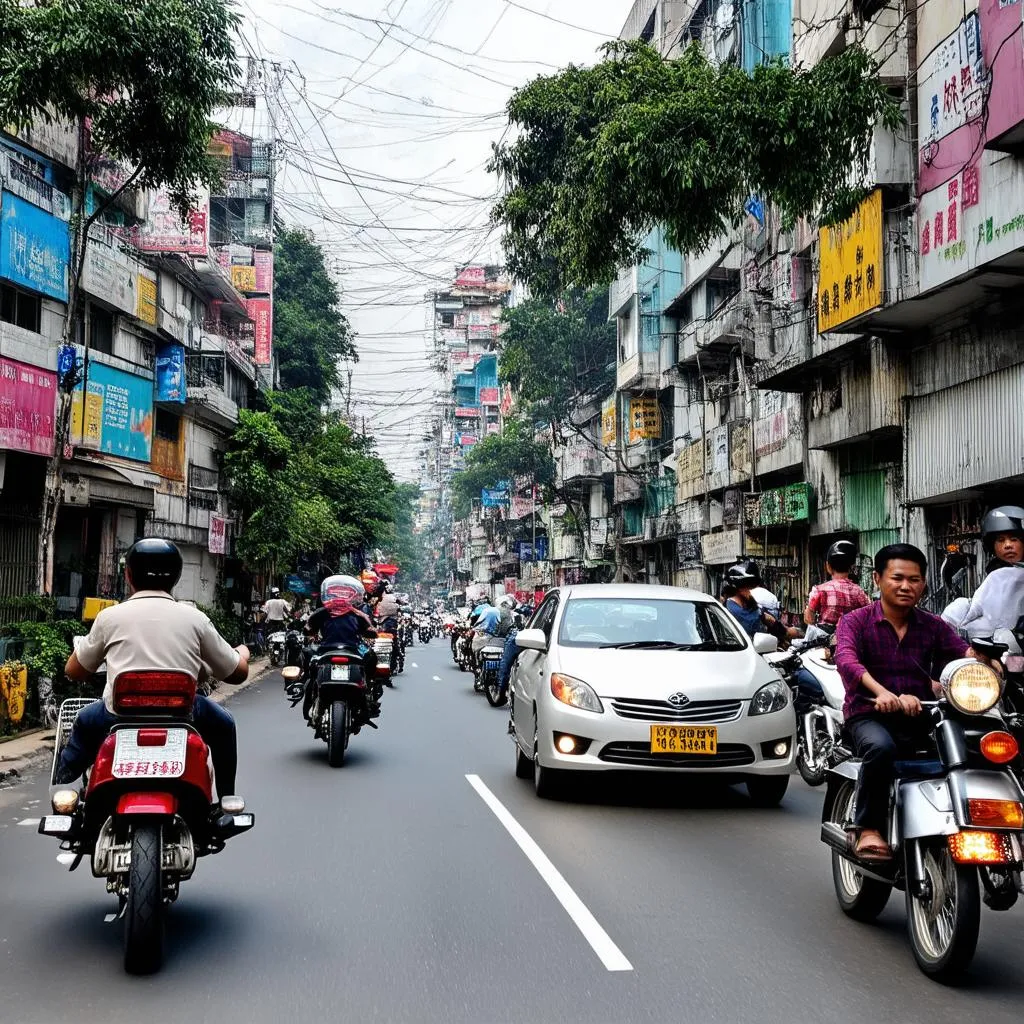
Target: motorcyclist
(508,655)
(829,601)
(740,583)
(152,631)
(888,654)
(340,622)
(488,618)
(275,613)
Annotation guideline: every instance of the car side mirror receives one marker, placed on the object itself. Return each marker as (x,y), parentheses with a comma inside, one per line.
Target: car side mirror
(765,643)
(531,640)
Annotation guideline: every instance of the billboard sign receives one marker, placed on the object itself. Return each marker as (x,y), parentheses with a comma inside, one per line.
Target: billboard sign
(27,405)
(850,274)
(165,231)
(170,374)
(112,412)
(260,312)
(34,247)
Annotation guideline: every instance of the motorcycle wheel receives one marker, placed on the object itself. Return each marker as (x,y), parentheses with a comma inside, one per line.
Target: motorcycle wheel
(812,776)
(861,898)
(275,658)
(944,926)
(337,734)
(144,912)
(496,697)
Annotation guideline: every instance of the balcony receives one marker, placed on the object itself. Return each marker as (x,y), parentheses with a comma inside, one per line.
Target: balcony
(731,326)
(204,377)
(27,346)
(621,292)
(640,372)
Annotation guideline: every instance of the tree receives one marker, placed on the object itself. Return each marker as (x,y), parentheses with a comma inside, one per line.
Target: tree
(514,452)
(401,545)
(138,80)
(556,354)
(311,334)
(603,155)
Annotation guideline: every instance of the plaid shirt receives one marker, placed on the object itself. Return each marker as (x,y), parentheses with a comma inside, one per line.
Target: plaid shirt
(831,601)
(866,642)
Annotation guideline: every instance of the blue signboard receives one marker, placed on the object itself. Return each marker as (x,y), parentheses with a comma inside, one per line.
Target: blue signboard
(170,374)
(493,497)
(536,552)
(34,247)
(113,412)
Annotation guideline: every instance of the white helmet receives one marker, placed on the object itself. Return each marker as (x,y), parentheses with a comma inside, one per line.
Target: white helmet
(507,601)
(343,588)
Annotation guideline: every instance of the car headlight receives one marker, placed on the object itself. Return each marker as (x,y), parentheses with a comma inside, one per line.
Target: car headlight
(575,693)
(971,687)
(773,696)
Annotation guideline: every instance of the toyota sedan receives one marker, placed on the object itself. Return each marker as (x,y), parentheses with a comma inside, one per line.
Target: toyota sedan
(651,679)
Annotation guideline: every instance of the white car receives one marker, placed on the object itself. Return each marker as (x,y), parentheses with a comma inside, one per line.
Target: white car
(649,678)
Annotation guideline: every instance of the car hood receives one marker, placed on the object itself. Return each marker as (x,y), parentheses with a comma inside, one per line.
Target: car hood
(656,675)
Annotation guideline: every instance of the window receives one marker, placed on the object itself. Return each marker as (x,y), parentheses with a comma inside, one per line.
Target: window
(20,308)
(101,330)
(600,622)
(544,617)
(167,426)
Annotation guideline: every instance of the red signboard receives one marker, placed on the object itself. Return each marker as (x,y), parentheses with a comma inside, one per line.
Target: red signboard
(27,401)
(218,531)
(471,276)
(264,263)
(467,412)
(261,314)
(165,231)
(488,396)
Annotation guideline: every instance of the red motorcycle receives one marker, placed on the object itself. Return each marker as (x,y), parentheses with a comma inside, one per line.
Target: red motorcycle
(145,815)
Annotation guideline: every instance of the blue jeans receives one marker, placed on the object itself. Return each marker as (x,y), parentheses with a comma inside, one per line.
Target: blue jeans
(810,691)
(507,657)
(211,721)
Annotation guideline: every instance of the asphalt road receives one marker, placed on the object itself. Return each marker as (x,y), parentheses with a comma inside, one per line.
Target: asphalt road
(389,890)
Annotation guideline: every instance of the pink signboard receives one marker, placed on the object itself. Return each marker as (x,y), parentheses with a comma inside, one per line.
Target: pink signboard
(218,531)
(264,263)
(471,276)
(467,412)
(27,401)
(261,314)
(165,231)
(488,396)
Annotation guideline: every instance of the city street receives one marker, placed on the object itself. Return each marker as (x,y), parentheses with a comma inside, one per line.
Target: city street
(389,890)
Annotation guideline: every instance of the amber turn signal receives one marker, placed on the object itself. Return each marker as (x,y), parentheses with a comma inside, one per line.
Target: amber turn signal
(999,747)
(980,848)
(996,813)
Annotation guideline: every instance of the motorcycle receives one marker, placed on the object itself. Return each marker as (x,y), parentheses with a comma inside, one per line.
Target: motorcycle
(343,700)
(277,641)
(144,815)
(293,644)
(956,824)
(425,631)
(820,720)
(489,674)
(462,647)
(384,647)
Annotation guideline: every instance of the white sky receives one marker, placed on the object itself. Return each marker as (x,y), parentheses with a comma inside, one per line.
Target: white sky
(386,112)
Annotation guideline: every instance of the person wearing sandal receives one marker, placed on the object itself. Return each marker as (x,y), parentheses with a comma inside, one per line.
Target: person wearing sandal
(888,655)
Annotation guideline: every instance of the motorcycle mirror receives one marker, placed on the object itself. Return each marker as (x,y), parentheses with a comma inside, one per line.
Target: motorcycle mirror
(290,673)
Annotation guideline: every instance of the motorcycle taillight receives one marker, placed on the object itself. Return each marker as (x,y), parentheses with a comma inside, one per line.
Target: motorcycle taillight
(339,661)
(153,691)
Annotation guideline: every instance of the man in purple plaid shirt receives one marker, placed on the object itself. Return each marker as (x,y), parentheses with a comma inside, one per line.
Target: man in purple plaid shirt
(889,655)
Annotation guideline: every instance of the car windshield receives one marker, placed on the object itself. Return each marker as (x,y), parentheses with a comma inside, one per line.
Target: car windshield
(640,623)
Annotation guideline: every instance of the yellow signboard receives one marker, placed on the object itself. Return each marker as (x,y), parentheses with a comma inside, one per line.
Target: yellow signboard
(609,428)
(850,274)
(13,690)
(244,278)
(86,419)
(644,419)
(690,462)
(145,305)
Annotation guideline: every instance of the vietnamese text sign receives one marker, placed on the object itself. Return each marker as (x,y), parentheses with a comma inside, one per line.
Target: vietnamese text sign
(34,247)
(165,231)
(27,403)
(609,428)
(850,276)
(113,412)
(644,419)
(145,307)
(260,312)
(720,548)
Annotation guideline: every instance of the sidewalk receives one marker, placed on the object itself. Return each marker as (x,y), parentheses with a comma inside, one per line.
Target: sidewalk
(19,753)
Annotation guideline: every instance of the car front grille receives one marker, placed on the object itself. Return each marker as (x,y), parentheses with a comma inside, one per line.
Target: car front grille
(730,755)
(663,711)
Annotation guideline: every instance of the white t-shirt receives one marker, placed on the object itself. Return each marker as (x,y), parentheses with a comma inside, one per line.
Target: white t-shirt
(276,609)
(152,631)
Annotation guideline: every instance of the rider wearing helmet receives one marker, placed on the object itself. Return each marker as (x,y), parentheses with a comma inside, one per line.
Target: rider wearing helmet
(1002,533)
(830,601)
(276,611)
(152,631)
(739,582)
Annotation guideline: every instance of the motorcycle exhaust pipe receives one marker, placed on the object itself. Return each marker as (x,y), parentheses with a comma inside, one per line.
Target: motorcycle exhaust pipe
(835,836)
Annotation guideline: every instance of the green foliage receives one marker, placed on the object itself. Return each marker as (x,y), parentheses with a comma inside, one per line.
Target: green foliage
(399,543)
(147,74)
(311,334)
(555,354)
(226,623)
(514,452)
(41,607)
(602,155)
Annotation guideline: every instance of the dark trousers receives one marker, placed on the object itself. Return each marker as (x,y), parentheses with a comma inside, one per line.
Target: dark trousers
(879,740)
(809,691)
(211,721)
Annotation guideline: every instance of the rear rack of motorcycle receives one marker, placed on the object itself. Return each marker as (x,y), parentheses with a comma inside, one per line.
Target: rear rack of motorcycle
(65,721)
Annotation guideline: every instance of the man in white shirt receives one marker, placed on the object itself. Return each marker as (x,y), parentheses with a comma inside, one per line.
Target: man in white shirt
(276,611)
(152,631)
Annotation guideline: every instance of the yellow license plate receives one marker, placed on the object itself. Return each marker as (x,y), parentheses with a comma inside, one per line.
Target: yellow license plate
(684,739)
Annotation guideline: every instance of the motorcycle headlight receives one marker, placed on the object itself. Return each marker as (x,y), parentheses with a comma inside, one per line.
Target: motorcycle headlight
(575,693)
(773,696)
(971,687)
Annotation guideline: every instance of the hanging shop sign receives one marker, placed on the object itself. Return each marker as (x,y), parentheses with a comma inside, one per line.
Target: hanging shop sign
(470,277)
(260,312)
(488,396)
(494,497)
(244,278)
(145,299)
(166,231)
(609,427)
(170,374)
(467,412)
(218,534)
(720,548)
(850,273)
(263,263)
(791,504)
(688,548)
(644,419)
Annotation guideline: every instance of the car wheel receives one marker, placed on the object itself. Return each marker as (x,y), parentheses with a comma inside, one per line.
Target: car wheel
(767,790)
(524,766)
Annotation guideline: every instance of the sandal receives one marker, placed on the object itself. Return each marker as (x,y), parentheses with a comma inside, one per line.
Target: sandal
(871,847)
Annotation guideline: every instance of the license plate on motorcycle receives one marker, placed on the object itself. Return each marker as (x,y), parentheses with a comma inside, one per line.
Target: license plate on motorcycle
(341,672)
(684,739)
(135,761)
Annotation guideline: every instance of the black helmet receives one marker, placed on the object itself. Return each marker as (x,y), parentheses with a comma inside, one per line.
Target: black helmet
(741,576)
(842,555)
(154,564)
(1004,519)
